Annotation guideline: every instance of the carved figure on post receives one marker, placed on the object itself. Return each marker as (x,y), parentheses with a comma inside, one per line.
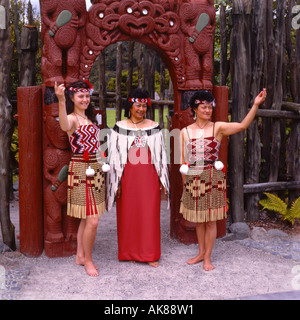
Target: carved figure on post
(62,33)
(54,202)
(198,25)
(58,226)
(155,23)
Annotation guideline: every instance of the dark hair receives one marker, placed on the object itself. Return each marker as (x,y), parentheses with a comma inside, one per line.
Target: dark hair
(202,95)
(135,93)
(89,112)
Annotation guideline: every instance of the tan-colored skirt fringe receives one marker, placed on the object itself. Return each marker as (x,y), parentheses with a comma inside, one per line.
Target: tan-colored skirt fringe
(204,196)
(86,195)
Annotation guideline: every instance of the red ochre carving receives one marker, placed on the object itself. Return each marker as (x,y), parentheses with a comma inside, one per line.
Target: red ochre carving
(198,43)
(178,30)
(59,229)
(63,24)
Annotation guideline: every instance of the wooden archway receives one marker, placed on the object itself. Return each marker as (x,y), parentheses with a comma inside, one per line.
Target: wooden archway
(180,31)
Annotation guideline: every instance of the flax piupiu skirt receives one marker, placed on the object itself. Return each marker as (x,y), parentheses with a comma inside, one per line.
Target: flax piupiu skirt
(204,195)
(86,195)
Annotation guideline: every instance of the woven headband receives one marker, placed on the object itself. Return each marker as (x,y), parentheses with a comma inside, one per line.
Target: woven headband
(141,100)
(82,90)
(203,101)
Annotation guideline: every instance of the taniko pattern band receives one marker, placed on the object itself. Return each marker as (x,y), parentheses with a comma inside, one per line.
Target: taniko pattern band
(141,100)
(85,138)
(204,101)
(82,90)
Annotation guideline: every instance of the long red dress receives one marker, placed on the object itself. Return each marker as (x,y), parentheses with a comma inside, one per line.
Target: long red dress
(138,208)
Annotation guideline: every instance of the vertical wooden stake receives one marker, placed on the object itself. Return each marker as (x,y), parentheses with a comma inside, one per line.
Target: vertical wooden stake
(30,171)
(221,114)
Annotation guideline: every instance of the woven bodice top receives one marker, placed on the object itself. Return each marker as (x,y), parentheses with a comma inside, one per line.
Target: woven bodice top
(203,149)
(85,138)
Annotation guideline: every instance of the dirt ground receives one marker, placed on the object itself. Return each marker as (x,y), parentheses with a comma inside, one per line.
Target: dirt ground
(239,271)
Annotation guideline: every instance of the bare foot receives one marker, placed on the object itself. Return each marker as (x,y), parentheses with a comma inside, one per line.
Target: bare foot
(154,264)
(195,260)
(207,265)
(91,270)
(81,261)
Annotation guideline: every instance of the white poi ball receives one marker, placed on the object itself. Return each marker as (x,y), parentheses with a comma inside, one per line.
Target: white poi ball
(90,172)
(105,167)
(219,165)
(184,169)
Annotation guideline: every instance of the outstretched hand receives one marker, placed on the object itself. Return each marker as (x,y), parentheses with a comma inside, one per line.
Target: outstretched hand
(60,91)
(261,97)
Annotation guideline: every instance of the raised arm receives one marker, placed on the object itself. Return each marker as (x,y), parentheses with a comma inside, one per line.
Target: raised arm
(230,128)
(65,122)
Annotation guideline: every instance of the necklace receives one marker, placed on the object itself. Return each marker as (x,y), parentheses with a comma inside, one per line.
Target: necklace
(85,118)
(135,123)
(203,126)
(200,133)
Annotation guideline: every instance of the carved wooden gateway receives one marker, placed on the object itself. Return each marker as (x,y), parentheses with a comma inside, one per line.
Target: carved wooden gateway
(180,31)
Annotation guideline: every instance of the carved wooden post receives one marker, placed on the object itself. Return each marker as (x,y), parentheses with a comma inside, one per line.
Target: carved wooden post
(63,33)
(30,159)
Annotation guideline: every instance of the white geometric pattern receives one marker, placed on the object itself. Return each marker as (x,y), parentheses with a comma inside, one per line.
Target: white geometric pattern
(203,149)
(85,138)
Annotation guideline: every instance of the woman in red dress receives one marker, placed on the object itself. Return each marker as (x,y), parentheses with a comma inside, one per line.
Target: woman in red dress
(138,171)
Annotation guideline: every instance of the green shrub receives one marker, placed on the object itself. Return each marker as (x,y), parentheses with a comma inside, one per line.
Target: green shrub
(274,203)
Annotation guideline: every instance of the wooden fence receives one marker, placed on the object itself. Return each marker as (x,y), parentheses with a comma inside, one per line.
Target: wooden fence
(264,52)
(259,163)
